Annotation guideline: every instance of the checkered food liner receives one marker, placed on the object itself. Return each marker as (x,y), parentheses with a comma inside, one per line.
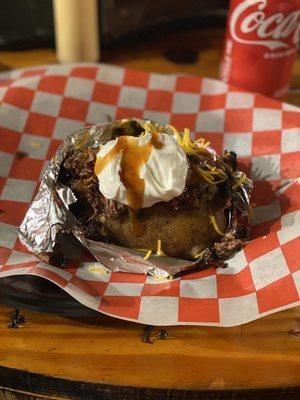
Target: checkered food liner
(41,106)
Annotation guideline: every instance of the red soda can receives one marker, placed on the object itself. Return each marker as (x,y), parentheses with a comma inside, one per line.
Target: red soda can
(261,45)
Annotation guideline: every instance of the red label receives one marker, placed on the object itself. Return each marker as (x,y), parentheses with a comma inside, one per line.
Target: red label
(261,44)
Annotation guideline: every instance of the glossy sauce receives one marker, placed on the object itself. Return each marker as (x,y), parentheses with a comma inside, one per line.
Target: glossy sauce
(133,158)
(156,140)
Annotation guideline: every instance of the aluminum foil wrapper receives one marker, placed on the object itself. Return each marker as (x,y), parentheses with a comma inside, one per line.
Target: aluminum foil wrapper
(49,214)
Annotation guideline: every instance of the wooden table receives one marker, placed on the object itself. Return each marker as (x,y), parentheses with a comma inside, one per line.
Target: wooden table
(66,357)
(100,357)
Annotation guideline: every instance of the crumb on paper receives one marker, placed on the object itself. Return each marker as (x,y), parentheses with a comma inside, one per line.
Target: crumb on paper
(21,154)
(98,268)
(162,278)
(35,145)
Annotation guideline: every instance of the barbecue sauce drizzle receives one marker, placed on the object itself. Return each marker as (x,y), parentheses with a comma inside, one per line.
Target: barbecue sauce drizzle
(132,160)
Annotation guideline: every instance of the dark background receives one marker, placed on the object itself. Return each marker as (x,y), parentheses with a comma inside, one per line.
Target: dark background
(27,24)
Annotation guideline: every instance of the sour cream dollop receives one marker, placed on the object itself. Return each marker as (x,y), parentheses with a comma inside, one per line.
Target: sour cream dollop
(141,171)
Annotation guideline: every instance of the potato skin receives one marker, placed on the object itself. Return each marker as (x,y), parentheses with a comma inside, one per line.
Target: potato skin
(183,233)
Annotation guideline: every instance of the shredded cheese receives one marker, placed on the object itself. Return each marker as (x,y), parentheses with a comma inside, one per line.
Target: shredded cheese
(148,255)
(98,268)
(142,250)
(209,177)
(176,134)
(35,145)
(148,252)
(205,175)
(148,127)
(199,254)
(202,142)
(159,251)
(216,171)
(189,146)
(160,278)
(215,225)
(240,180)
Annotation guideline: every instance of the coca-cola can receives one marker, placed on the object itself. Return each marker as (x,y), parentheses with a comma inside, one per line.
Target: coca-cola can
(261,45)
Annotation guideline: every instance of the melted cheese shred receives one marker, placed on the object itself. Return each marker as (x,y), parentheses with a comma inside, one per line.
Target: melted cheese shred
(240,180)
(149,252)
(149,128)
(199,254)
(148,255)
(215,225)
(196,147)
(99,269)
(184,140)
(210,175)
(159,251)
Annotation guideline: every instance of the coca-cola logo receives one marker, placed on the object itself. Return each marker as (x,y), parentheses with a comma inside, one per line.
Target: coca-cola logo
(271,31)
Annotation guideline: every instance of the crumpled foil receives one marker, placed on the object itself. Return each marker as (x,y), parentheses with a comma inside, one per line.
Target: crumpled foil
(49,215)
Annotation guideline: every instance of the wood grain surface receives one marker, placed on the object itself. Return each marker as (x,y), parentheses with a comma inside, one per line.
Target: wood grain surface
(260,354)
(57,357)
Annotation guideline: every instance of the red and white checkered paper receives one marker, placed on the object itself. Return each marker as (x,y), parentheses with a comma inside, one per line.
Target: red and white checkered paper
(42,106)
